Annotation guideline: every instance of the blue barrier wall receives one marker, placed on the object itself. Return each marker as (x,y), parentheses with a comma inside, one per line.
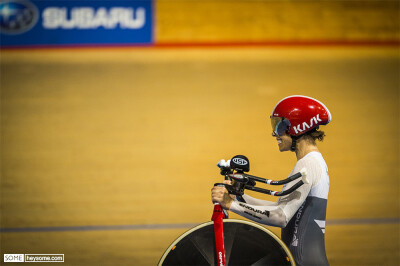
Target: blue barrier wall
(26,23)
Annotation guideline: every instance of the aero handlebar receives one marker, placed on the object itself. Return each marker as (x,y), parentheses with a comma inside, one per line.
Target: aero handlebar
(241,164)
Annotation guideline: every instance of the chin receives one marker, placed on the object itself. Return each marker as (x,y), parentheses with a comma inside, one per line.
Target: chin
(283,149)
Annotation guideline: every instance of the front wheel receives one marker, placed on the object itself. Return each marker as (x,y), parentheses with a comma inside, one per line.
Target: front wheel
(246,243)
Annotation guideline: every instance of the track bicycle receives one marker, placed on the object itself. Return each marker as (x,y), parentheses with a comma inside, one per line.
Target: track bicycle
(224,241)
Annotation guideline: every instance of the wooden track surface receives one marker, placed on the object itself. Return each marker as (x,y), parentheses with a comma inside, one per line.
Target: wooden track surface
(132,136)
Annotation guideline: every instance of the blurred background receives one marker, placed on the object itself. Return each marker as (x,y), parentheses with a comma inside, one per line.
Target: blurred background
(115,113)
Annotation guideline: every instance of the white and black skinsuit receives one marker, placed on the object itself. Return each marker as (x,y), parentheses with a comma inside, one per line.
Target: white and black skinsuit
(301,214)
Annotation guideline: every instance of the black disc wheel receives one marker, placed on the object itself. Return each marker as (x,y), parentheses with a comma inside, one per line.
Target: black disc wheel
(246,243)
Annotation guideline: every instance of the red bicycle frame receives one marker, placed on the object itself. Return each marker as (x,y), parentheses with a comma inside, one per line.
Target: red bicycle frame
(217,218)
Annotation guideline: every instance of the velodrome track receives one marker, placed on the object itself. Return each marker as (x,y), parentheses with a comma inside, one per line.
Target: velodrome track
(108,155)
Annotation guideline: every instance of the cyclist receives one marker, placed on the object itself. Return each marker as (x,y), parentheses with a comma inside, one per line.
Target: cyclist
(301,215)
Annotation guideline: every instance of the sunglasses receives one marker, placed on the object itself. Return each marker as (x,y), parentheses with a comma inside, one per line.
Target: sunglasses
(280,125)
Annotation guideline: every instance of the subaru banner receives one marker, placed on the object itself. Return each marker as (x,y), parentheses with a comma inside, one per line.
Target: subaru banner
(87,22)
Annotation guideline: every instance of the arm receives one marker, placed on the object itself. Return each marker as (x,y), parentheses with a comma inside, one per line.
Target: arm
(274,214)
(258,202)
(280,213)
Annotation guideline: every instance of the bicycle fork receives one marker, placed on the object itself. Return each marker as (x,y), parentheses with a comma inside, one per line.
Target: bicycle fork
(218,215)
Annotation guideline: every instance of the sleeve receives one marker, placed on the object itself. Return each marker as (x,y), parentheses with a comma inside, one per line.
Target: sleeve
(278,214)
(258,202)
(269,215)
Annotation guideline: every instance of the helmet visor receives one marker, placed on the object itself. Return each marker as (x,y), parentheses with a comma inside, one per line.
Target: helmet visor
(280,125)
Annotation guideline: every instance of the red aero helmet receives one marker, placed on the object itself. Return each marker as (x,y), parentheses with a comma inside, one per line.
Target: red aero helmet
(303,114)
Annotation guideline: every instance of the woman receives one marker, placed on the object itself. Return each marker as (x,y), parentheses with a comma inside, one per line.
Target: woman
(301,215)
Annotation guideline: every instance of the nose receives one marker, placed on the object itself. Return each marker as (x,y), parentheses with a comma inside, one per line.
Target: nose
(274,134)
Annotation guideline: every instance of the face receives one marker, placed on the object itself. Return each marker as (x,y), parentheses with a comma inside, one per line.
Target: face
(284,142)
(280,127)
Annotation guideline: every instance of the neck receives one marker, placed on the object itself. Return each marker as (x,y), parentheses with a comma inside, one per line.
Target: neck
(304,147)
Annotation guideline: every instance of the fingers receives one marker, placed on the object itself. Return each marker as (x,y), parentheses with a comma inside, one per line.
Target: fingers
(220,195)
(217,194)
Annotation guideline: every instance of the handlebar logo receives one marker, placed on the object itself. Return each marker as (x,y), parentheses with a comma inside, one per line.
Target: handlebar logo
(239,161)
